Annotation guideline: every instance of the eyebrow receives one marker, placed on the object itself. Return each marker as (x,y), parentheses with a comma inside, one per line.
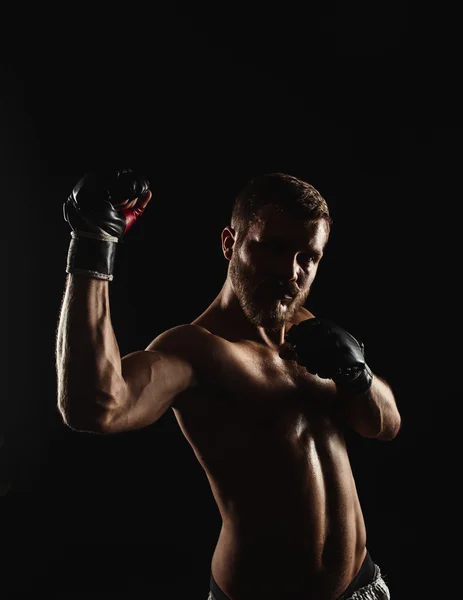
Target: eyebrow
(315,252)
(281,240)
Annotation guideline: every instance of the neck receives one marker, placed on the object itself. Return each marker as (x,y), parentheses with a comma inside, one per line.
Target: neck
(227,307)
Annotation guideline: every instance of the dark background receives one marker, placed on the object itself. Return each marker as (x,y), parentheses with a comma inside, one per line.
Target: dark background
(359,100)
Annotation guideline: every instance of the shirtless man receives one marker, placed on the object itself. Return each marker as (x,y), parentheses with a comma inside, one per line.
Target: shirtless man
(261,388)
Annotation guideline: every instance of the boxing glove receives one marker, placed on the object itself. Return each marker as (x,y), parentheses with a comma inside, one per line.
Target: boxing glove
(97,225)
(329,351)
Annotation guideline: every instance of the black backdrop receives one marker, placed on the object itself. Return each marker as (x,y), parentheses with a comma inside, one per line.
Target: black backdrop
(200,99)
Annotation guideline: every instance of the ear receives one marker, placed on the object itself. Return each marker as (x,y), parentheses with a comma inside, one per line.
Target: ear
(228,241)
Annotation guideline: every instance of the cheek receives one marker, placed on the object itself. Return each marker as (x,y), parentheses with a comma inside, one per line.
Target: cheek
(241,264)
(247,259)
(309,277)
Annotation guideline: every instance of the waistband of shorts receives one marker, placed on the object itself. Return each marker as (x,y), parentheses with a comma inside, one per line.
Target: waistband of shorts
(364,577)
(216,591)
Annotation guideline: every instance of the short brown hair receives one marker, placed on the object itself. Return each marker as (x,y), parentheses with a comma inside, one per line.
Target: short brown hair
(286,192)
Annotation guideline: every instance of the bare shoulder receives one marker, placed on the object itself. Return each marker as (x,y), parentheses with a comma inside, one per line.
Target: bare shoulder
(155,378)
(184,340)
(195,346)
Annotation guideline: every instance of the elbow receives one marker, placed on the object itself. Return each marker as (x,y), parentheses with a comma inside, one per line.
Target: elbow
(379,429)
(393,429)
(85,425)
(389,430)
(95,426)
(95,420)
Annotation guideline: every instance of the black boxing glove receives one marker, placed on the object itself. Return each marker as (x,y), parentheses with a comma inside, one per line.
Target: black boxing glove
(97,226)
(330,352)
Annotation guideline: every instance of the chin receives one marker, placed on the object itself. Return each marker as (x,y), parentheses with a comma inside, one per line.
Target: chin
(273,315)
(273,321)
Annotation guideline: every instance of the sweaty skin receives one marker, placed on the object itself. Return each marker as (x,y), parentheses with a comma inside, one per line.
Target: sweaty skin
(265,432)
(268,434)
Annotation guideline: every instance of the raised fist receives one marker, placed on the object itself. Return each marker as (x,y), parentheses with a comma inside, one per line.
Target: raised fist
(106,204)
(100,210)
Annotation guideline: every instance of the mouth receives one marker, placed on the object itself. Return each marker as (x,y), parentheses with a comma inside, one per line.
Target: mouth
(286,292)
(285,298)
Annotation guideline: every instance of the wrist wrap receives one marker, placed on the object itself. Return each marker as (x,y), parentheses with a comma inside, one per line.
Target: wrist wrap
(91,256)
(356,382)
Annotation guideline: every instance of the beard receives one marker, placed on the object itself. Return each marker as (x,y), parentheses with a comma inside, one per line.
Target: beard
(258,297)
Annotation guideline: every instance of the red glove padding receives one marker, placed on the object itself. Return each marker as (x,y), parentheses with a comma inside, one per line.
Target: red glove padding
(104,204)
(100,210)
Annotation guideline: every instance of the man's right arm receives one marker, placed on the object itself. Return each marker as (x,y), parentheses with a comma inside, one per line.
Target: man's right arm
(97,389)
(100,392)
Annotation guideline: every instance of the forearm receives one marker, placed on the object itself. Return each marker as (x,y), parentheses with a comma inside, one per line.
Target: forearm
(373,414)
(88,360)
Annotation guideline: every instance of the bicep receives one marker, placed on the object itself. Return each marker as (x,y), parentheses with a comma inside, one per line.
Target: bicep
(152,381)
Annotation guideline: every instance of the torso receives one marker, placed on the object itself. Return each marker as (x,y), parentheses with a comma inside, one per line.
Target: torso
(265,432)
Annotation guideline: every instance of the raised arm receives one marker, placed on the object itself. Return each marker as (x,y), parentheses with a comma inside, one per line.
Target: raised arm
(88,362)
(98,390)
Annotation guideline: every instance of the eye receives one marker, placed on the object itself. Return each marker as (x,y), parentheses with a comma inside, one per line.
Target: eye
(306,258)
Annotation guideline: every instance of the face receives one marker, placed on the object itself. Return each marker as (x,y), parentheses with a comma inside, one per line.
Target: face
(273,267)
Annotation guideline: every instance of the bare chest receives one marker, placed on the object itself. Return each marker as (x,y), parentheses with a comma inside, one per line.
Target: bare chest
(249,396)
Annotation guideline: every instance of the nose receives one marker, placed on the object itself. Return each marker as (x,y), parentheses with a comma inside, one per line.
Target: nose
(287,270)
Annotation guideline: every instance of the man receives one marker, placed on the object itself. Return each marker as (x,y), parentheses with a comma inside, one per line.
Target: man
(261,388)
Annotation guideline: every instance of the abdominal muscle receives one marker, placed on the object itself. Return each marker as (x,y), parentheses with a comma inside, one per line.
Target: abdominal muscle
(290,529)
(278,468)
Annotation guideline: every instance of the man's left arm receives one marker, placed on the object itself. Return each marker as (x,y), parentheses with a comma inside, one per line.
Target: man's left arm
(363,400)
(372,414)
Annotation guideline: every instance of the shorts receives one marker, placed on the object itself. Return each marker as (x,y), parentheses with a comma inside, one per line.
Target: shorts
(368,584)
